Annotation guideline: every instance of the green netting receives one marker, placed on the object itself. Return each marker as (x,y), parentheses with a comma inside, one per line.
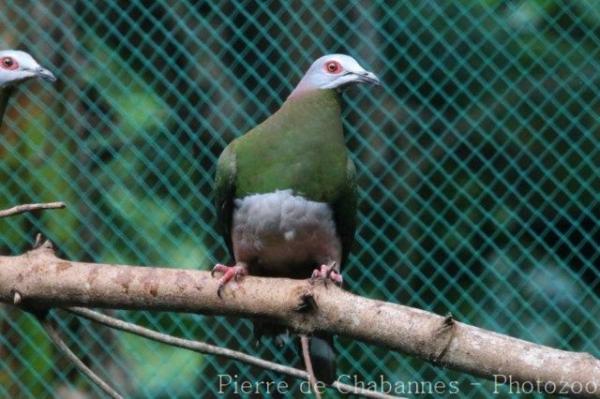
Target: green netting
(477,159)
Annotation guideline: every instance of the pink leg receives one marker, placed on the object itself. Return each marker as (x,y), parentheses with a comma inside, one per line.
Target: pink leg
(229,273)
(328,272)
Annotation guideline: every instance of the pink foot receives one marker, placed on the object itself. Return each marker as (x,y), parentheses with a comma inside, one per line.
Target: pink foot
(229,273)
(327,272)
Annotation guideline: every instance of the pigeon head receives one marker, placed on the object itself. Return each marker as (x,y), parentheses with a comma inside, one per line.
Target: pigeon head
(334,71)
(17,66)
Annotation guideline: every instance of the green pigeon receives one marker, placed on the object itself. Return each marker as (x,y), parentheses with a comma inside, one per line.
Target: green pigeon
(286,194)
(15,67)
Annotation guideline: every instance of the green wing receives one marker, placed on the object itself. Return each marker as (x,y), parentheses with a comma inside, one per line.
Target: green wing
(345,209)
(225,193)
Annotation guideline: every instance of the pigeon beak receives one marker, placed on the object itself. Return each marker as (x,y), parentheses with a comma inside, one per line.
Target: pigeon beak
(368,77)
(45,74)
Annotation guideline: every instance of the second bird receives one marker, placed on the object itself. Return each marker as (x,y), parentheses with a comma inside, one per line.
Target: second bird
(16,67)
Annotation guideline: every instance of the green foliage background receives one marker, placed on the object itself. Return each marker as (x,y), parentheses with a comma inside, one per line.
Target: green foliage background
(478,165)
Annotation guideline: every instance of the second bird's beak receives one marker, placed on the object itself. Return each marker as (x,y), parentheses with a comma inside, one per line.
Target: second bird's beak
(45,74)
(368,77)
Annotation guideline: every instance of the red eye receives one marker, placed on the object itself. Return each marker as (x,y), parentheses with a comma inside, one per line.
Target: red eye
(8,63)
(333,67)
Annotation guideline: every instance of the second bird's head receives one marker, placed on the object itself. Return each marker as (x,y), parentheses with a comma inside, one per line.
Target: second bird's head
(17,66)
(334,71)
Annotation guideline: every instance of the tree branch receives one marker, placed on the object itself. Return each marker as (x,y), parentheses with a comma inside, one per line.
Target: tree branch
(55,337)
(40,279)
(309,367)
(202,347)
(15,210)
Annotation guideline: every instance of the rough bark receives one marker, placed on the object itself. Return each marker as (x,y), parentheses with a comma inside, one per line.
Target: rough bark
(39,279)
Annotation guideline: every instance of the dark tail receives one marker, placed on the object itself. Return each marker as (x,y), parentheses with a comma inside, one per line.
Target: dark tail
(322,356)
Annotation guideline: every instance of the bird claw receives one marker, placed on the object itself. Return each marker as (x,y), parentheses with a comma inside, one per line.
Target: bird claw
(327,273)
(229,273)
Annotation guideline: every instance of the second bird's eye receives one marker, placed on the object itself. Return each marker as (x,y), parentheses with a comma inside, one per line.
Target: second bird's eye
(333,67)
(9,63)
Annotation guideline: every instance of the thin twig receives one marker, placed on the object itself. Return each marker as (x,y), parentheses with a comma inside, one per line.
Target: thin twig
(15,210)
(202,347)
(308,364)
(54,335)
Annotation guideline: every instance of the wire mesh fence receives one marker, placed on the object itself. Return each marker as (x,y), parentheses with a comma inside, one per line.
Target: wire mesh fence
(477,161)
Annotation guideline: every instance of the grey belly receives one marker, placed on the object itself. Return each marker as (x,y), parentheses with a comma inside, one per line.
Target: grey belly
(284,234)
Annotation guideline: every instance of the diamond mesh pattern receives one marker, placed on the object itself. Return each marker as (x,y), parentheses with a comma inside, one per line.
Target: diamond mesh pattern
(478,167)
